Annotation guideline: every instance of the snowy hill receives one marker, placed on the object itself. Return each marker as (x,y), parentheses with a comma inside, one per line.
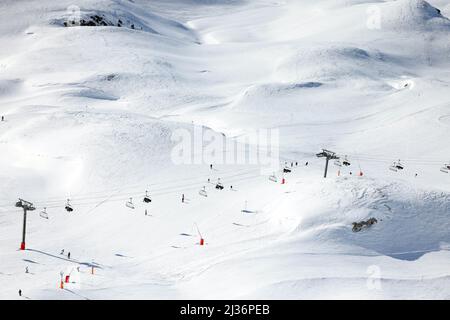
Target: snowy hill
(95,96)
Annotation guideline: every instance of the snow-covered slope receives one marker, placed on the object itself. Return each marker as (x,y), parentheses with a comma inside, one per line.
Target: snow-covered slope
(91,112)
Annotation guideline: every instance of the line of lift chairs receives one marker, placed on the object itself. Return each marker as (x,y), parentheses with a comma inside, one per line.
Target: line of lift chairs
(396,166)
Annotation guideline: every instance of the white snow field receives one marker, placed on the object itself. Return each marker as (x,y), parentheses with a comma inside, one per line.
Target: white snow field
(90,115)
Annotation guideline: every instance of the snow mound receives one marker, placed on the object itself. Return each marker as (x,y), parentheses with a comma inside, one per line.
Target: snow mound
(9,87)
(398,207)
(108,13)
(412,15)
(336,63)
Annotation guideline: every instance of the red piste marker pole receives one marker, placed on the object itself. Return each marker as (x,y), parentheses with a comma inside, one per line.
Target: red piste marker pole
(202,241)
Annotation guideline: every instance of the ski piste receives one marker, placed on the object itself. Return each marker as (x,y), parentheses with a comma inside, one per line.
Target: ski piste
(97,98)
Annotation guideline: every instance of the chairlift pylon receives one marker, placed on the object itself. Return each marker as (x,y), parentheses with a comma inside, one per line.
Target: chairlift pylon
(43,214)
(130,204)
(68,206)
(147,198)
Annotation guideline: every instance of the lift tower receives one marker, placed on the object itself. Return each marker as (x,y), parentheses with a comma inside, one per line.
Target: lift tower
(26,206)
(328,155)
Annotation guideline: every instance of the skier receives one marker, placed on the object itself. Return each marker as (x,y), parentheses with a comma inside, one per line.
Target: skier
(26,270)
(210,166)
(68,255)
(306,164)
(416,175)
(20,292)
(62,252)
(209,180)
(296,163)
(182,198)
(145,211)
(292,164)
(3,118)
(231,188)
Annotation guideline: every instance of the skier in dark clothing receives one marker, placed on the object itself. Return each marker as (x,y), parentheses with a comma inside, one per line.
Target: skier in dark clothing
(68,255)
(20,293)
(306,164)
(182,198)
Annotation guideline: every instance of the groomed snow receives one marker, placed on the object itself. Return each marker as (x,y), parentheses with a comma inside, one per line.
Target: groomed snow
(90,114)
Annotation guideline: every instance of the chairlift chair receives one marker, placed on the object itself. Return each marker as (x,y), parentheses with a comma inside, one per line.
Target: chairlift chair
(202,192)
(147,199)
(345,162)
(397,166)
(400,166)
(287,170)
(393,167)
(43,214)
(68,206)
(219,185)
(130,204)
(273,178)
(446,168)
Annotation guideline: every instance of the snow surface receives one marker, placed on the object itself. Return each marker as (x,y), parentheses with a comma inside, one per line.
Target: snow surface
(90,113)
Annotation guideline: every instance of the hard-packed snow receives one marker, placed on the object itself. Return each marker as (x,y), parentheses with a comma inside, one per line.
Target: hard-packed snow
(90,115)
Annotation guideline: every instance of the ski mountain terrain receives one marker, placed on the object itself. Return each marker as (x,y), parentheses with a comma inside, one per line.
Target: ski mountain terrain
(93,93)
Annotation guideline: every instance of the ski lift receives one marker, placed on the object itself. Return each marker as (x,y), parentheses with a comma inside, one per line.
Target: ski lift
(43,214)
(130,204)
(287,169)
(202,192)
(273,178)
(397,166)
(68,206)
(345,162)
(147,199)
(446,168)
(219,185)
